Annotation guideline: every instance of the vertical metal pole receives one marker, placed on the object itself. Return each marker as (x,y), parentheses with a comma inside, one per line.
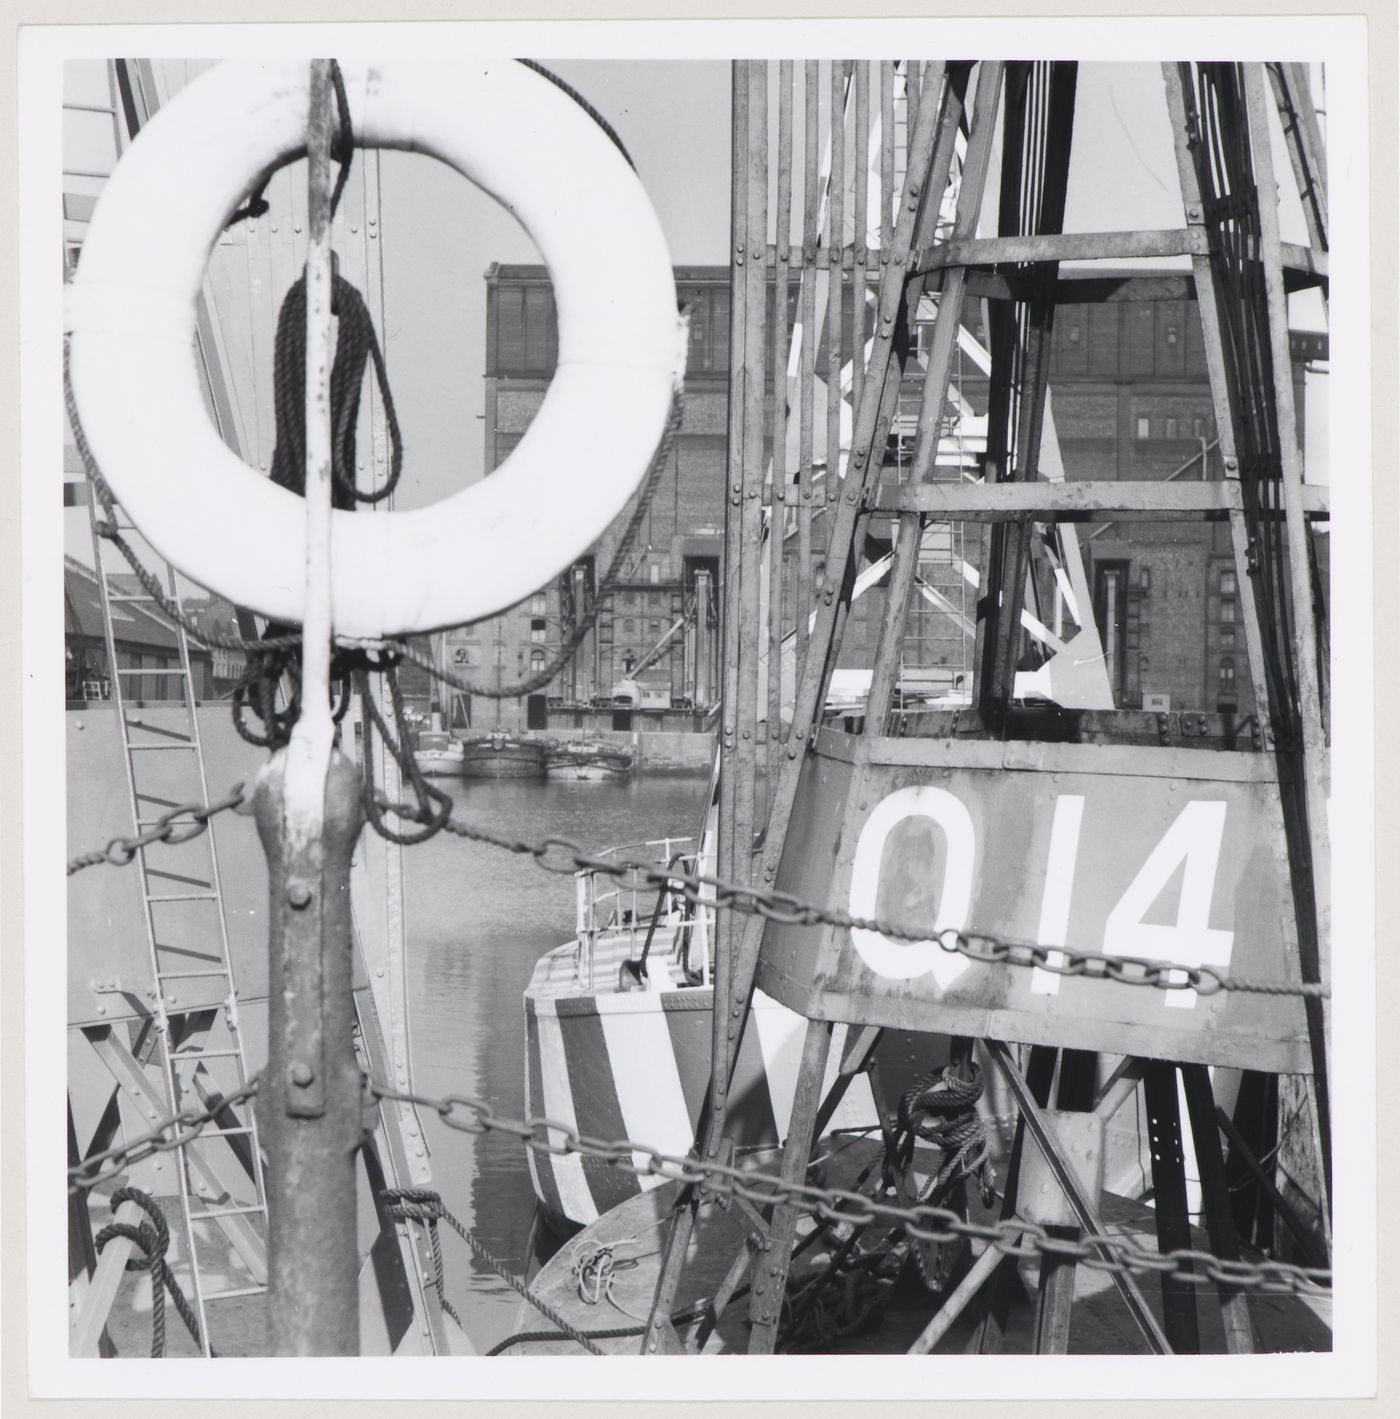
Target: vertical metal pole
(942,354)
(1313,939)
(1169,1201)
(1177,82)
(777,515)
(769,1283)
(755,394)
(835,239)
(860,226)
(808,373)
(309,814)
(1215,1201)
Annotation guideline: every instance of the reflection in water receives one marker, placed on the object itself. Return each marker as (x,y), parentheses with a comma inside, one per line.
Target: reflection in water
(478,920)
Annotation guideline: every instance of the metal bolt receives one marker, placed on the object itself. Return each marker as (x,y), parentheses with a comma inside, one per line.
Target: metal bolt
(302,1075)
(299,895)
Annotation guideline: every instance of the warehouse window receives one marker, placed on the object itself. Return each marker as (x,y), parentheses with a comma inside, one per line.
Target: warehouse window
(1171,428)
(1144,427)
(1227,670)
(537,629)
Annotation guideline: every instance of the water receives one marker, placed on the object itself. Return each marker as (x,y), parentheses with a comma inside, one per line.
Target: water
(478,919)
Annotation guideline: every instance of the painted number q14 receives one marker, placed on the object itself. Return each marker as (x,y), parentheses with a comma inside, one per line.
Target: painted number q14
(1191,843)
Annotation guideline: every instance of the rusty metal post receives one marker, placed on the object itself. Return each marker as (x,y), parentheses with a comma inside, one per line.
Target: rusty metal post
(309,814)
(309,1102)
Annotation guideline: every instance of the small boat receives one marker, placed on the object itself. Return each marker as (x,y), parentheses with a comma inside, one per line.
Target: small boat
(503,756)
(587,763)
(439,753)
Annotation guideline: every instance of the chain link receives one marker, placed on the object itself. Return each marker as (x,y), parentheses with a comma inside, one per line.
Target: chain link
(175,1132)
(922,1222)
(180,824)
(562,856)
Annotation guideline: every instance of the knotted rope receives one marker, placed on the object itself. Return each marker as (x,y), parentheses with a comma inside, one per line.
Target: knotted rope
(153,1237)
(941,1109)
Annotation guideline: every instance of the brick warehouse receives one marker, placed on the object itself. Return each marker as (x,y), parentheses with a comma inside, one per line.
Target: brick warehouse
(1131,401)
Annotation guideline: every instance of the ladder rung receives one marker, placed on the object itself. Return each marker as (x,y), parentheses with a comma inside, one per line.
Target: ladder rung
(184,897)
(240,1291)
(135,748)
(126,596)
(178,670)
(189,975)
(183,822)
(216,1132)
(214,1213)
(199,1056)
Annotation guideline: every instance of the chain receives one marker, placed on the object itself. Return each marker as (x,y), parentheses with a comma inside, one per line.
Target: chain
(782,907)
(923,1222)
(175,1132)
(788,910)
(180,824)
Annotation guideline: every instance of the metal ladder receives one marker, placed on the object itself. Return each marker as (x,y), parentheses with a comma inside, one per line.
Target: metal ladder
(200,1050)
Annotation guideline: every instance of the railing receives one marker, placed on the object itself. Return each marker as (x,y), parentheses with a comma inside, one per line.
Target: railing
(630,904)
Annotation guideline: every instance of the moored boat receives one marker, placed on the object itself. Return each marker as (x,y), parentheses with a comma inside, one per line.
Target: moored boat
(439,753)
(502,756)
(587,763)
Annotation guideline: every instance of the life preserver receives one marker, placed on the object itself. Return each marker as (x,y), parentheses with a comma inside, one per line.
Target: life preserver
(131,314)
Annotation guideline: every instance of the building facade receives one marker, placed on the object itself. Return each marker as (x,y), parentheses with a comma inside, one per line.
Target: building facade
(1130,398)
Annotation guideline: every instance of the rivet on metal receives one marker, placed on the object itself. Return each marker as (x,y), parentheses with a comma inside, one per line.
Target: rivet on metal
(299,895)
(302,1075)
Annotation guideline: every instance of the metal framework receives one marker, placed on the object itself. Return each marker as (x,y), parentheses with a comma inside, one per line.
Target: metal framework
(822,784)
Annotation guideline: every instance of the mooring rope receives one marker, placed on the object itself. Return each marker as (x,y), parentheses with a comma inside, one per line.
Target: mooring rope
(153,1237)
(423,1205)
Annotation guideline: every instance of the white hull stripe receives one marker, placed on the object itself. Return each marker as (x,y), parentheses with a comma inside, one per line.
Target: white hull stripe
(574,1195)
(648,1084)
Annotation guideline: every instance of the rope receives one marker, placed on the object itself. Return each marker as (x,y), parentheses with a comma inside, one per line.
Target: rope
(342,151)
(422,1205)
(583,103)
(941,1109)
(153,1237)
(624,1332)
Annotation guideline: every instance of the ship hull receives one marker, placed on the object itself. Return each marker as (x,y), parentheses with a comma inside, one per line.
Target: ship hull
(511,758)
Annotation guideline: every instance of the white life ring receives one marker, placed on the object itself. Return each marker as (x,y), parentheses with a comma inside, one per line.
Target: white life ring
(131,314)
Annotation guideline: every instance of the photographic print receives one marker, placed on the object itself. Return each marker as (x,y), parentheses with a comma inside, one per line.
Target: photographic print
(703,713)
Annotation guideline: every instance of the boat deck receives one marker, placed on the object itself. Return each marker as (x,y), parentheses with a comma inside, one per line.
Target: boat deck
(633,1235)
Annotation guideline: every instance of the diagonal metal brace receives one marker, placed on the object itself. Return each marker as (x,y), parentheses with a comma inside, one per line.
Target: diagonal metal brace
(1085,1208)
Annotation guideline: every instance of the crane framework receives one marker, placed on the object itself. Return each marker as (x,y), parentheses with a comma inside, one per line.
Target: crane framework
(1037,810)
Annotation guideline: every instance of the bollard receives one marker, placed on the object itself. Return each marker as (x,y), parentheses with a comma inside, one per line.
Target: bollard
(309,1106)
